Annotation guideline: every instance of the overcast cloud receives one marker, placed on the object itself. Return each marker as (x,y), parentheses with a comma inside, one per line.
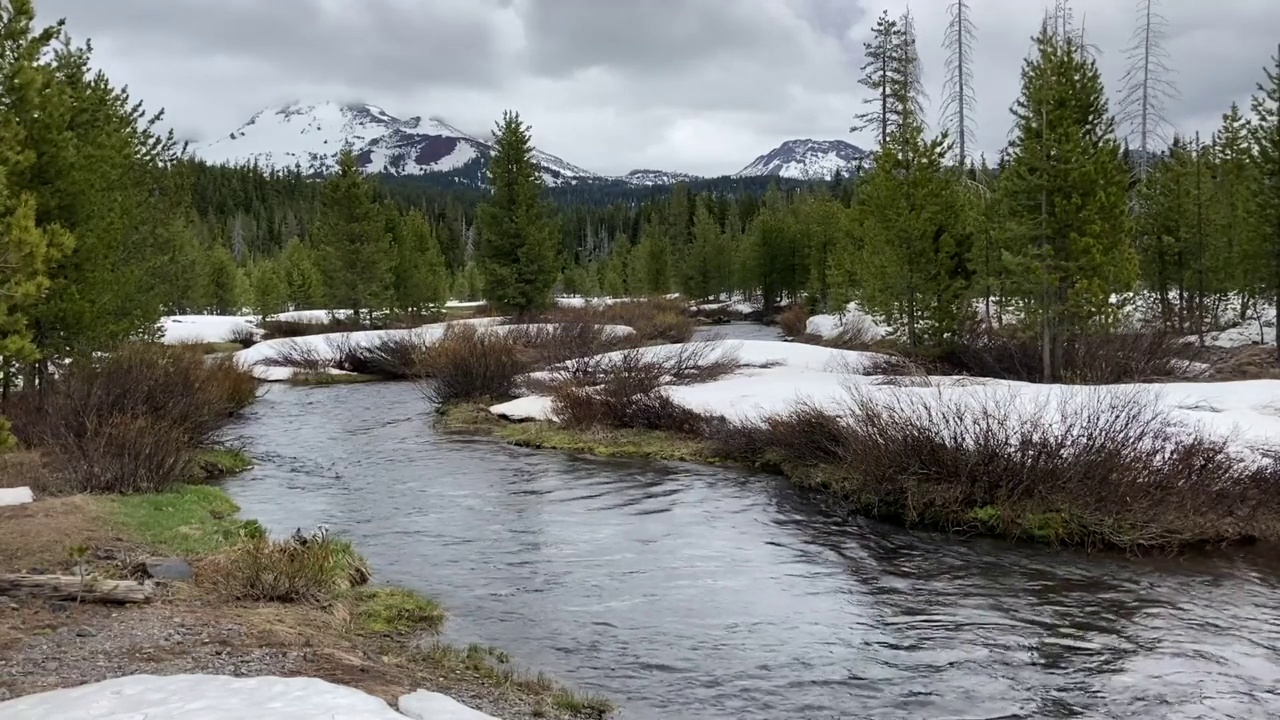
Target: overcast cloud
(700,86)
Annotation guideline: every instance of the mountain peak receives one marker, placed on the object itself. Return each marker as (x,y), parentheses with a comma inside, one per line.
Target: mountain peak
(311,135)
(808,159)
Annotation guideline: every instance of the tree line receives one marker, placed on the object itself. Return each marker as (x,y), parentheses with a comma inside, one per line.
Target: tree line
(108,224)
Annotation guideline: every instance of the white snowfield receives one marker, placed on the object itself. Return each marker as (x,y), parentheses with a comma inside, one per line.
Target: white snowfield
(181,329)
(850,321)
(214,697)
(258,359)
(1246,411)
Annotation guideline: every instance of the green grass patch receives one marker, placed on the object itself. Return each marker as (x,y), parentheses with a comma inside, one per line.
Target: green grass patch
(216,348)
(647,444)
(313,379)
(395,611)
(217,462)
(189,521)
(495,666)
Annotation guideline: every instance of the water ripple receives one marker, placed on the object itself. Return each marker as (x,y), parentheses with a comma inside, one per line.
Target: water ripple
(686,592)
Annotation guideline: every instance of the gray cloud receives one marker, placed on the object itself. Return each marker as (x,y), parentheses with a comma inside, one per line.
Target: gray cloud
(696,85)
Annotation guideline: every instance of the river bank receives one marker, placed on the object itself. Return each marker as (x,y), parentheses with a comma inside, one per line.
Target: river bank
(381,640)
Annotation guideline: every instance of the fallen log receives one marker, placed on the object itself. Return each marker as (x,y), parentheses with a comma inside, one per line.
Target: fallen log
(70,587)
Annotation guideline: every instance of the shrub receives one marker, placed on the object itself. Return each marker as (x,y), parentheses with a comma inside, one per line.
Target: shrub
(304,569)
(470,366)
(392,356)
(301,356)
(543,345)
(625,390)
(245,336)
(794,321)
(131,420)
(1095,359)
(1088,468)
(654,320)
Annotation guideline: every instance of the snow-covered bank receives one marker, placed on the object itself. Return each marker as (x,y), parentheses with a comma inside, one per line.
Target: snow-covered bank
(326,347)
(852,322)
(1248,411)
(214,697)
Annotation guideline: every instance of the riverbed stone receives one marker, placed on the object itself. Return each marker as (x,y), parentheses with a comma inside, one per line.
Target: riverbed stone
(171,569)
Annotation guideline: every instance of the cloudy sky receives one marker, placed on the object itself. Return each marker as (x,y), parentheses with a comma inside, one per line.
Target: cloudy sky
(700,86)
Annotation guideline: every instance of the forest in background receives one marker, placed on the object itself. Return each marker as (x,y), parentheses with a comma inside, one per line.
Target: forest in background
(108,225)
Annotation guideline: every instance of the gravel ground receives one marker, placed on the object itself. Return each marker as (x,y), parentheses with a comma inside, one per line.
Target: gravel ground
(45,646)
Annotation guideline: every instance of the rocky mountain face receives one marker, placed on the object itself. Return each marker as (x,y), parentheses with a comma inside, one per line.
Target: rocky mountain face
(809,160)
(312,136)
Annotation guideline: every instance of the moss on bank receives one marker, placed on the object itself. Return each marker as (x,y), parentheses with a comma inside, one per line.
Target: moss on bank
(323,379)
(218,462)
(643,444)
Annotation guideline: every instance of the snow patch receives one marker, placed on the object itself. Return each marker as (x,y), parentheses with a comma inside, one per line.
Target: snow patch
(424,705)
(212,697)
(1243,411)
(16,496)
(180,329)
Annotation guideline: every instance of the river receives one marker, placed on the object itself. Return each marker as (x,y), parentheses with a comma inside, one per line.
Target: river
(690,592)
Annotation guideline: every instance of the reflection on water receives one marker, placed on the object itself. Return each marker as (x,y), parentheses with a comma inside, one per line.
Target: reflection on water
(685,592)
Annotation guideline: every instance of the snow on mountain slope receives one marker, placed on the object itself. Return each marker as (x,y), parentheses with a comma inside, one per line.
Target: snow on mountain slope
(655,177)
(312,136)
(808,160)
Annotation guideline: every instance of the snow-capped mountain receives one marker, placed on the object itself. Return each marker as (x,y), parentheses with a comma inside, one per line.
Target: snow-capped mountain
(656,177)
(312,136)
(808,160)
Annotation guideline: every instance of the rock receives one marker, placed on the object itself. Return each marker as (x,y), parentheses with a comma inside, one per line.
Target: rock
(16,496)
(425,705)
(171,569)
(85,632)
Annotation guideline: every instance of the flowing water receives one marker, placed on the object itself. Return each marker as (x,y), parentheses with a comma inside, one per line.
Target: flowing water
(688,592)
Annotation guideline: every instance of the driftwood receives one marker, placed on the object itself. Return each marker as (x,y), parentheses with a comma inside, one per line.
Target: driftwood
(70,587)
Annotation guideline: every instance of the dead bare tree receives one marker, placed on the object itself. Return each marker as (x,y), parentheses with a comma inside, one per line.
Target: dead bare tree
(958,96)
(1147,85)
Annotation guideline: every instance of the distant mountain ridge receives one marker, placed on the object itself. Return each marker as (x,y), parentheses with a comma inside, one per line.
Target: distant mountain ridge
(311,136)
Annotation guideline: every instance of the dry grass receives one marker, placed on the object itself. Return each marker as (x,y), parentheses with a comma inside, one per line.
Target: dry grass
(22,468)
(794,321)
(43,535)
(312,569)
(654,320)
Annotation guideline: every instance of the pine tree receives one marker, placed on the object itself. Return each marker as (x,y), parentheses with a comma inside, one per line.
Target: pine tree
(613,279)
(879,73)
(228,287)
(1066,187)
(704,259)
(913,240)
(93,163)
(421,279)
(268,288)
(304,288)
(355,248)
(651,263)
(1266,143)
(1233,223)
(519,244)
